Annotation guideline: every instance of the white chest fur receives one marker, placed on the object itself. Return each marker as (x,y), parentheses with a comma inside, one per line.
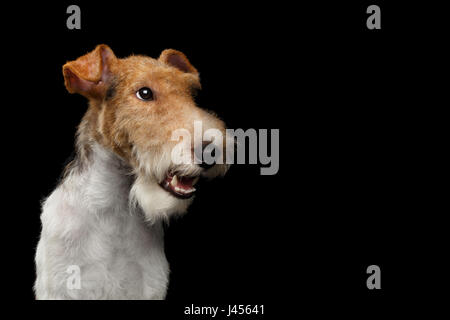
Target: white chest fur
(87,222)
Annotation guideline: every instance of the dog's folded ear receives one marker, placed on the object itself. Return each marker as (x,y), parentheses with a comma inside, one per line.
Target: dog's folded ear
(89,74)
(177,60)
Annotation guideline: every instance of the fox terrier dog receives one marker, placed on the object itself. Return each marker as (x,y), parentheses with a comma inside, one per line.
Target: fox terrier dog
(102,227)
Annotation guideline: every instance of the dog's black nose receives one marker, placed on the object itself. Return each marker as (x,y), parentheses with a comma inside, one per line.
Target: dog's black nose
(208,155)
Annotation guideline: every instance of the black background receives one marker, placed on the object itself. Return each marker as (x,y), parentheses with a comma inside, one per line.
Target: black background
(346,101)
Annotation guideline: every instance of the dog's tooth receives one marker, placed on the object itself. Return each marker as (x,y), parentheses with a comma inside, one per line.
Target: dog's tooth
(174,181)
(195,180)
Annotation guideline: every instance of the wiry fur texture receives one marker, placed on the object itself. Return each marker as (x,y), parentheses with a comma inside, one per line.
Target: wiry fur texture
(88,221)
(106,215)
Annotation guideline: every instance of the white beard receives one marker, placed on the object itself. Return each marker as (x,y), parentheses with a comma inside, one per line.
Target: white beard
(155,202)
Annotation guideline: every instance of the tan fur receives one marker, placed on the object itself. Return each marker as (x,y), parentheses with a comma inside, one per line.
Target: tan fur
(121,121)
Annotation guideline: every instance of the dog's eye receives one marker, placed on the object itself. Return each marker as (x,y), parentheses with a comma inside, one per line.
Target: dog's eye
(145,94)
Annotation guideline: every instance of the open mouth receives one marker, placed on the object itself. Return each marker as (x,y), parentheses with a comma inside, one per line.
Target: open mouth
(180,186)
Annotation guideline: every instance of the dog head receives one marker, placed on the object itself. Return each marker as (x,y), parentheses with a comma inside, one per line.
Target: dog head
(143,110)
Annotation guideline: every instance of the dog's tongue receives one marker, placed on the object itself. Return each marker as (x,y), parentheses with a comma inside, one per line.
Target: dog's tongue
(181,187)
(185,182)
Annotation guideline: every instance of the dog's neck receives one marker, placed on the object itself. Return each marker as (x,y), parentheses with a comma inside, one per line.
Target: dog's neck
(108,237)
(101,186)
(96,170)
(101,176)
